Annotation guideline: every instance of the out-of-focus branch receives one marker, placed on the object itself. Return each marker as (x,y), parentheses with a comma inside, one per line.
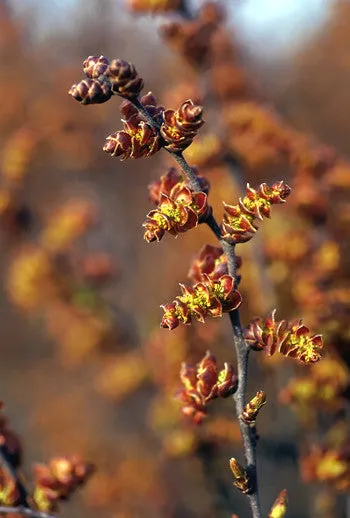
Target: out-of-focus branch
(5,460)
(25,511)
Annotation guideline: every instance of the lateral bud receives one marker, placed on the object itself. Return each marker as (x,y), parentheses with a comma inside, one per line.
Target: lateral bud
(251,410)
(279,508)
(124,79)
(95,66)
(241,477)
(91,91)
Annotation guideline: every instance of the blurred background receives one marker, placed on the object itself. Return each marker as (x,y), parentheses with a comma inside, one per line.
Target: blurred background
(85,367)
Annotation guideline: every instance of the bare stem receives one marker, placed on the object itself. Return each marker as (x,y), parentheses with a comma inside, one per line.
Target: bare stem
(138,104)
(5,459)
(248,436)
(26,511)
(187,170)
(242,350)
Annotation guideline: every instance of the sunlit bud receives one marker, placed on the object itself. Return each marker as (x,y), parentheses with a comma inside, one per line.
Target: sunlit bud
(240,475)
(279,508)
(251,410)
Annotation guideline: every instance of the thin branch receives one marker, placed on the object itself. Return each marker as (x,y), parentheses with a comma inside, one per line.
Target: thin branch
(248,436)
(138,104)
(5,459)
(187,170)
(194,184)
(242,350)
(26,511)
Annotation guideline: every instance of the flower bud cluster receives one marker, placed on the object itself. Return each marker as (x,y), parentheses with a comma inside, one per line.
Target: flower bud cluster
(174,129)
(181,126)
(213,292)
(178,208)
(91,91)
(202,383)
(151,105)
(57,480)
(138,138)
(238,225)
(291,339)
(104,78)
(205,298)
(168,181)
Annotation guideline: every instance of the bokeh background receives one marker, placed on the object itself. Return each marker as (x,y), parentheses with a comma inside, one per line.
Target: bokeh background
(84,365)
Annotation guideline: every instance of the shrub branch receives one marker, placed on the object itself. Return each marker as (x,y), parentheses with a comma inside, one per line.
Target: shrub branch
(242,350)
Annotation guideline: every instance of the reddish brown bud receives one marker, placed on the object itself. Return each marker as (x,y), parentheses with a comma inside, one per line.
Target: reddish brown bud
(124,79)
(202,384)
(149,101)
(207,375)
(205,298)
(181,126)
(155,110)
(138,139)
(91,91)
(128,110)
(189,117)
(163,185)
(226,292)
(95,66)
(227,381)
(170,319)
(177,212)
(166,183)
(118,144)
(210,261)
(155,226)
